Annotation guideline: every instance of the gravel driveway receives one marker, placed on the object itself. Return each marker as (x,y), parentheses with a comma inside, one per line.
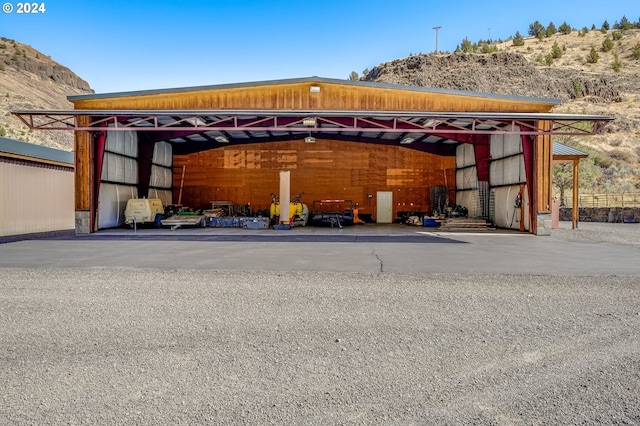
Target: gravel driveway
(113,345)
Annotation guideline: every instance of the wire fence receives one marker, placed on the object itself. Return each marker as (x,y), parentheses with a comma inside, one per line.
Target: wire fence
(609,200)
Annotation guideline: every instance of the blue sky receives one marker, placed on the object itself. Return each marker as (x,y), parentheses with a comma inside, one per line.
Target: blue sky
(136,45)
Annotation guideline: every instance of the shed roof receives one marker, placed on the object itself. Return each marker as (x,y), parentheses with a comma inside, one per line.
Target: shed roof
(561,151)
(26,150)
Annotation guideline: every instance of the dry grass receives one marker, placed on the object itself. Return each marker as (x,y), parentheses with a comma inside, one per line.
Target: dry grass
(622,138)
(28,81)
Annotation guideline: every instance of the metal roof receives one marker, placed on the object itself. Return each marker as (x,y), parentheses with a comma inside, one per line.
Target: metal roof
(30,150)
(565,150)
(314,79)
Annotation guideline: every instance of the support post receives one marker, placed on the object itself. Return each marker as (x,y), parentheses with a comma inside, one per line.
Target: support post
(285,196)
(576,180)
(84,206)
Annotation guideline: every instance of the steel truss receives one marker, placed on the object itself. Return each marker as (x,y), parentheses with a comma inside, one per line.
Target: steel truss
(533,124)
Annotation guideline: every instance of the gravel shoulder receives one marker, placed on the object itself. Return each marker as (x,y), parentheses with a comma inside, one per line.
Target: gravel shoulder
(627,234)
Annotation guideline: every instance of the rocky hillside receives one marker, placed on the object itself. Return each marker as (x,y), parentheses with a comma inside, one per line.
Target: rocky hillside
(31,80)
(582,86)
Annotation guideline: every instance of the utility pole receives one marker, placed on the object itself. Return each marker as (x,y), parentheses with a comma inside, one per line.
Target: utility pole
(436,28)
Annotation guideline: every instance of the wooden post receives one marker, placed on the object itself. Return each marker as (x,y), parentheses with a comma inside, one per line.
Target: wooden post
(181,185)
(522,207)
(285,196)
(576,180)
(84,206)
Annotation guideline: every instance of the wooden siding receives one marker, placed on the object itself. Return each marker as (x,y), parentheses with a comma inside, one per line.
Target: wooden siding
(84,166)
(542,179)
(248,174)
(332,96)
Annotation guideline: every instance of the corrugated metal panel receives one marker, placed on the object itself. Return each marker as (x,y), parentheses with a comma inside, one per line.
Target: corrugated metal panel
(561,149)
(35,199)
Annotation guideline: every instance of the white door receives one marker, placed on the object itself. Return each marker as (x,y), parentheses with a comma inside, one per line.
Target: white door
(384,209)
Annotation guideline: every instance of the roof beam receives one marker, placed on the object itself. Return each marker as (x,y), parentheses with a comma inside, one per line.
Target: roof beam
(327,121)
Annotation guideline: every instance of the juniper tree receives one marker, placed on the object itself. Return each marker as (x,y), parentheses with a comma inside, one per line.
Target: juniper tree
(518,40)
(551,29)
(565,28)
(536,29)
(556,51)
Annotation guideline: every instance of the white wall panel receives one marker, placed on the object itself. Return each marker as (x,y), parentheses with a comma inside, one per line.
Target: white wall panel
(163,154)
(35,199)
(514,170)
(496,146)
(496,175)
(505,145)
(119,169)
(506,214)
(467,178)
(465,155)
(165,195)
(512,144)
(161,177)
(469,199)
(125,143)
(507,171)
(112,201)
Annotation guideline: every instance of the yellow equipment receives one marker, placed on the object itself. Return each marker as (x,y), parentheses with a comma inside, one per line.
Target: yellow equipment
(298,212)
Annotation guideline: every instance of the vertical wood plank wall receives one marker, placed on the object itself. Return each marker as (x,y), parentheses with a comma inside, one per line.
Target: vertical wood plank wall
(83,161)
(332,96)
(248,174)
(542,178)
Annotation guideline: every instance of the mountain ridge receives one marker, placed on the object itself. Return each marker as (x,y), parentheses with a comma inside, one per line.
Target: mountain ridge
(30,79)
(581,86)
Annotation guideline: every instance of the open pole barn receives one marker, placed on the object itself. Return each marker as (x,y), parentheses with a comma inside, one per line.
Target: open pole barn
(388,148)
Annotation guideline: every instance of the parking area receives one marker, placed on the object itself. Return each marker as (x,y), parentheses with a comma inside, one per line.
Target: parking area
(395,326)
(368,248)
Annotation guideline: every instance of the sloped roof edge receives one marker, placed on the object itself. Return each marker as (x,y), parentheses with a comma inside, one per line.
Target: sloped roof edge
(26,149)
(560,149)
(314,79)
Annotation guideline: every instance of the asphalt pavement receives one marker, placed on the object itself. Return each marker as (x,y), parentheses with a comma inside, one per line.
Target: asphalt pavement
(369,325)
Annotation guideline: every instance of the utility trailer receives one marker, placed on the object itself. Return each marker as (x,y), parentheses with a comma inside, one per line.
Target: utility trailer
(185,218)
(332,213)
